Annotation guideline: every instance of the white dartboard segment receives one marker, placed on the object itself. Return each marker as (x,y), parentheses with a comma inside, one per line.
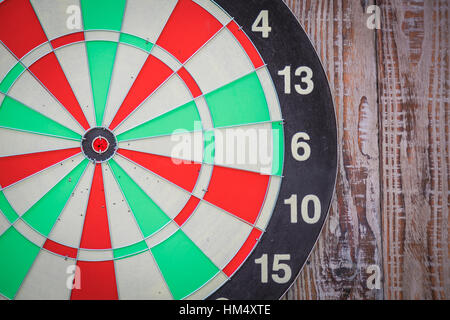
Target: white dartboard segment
(14,143)
(137,22)
(270,94)
(210,229)
(94,35)
(48,278)
(220,62)
(247,147)
(95,255)
(58,18)
(203,181)
(269,203)
(204,113)
(74,62)
(138,277)
(123,227)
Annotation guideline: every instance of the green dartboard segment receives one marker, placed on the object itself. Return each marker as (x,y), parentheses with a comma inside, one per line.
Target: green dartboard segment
(238,103)
(101,57)
(15,115)
(128,251)
(183,119)
(136,42)
(149,216)
(11,77)
(184,266)
(102,14)
(44,213)
(7,210)
(278,148)
(209,153)
(18,255)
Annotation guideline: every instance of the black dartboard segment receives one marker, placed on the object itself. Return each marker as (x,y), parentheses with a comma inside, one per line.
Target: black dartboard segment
(160,149)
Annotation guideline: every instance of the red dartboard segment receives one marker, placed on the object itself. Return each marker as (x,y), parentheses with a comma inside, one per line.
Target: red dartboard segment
(180,172)
(60,249)
(49,72)
(67,39)
(245,42)
(20,29)
(97,281)
(153,73)
(187,211)
(16,168)
(243,252)
(190,82)
(188,28)
(96,227)
(238,192)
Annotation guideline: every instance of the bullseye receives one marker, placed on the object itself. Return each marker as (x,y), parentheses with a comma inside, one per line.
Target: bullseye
(100,145)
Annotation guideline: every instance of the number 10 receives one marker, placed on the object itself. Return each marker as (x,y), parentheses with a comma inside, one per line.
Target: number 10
(292,201)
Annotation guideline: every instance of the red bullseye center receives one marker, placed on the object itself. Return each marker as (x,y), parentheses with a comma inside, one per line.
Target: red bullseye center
(100,145)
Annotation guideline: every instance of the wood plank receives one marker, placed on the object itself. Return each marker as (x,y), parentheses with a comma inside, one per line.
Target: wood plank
(413,92)
(351,239)
(392,198)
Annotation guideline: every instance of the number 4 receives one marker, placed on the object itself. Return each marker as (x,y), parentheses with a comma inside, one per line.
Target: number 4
(261,24)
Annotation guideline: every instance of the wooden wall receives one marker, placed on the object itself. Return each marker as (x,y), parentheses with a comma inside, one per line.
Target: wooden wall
(391,207)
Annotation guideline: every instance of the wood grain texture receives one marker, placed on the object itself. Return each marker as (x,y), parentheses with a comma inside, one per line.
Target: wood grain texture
(391,92)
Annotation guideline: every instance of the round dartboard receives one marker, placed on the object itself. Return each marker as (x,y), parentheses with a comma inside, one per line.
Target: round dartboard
(159,149)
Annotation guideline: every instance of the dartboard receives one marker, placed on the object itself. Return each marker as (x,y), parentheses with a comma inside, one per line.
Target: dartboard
(159,149)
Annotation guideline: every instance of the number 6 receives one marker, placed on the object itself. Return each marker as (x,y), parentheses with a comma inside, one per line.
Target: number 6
(296,145)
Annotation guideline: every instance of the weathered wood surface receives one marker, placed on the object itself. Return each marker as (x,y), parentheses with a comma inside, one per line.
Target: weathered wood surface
(391,91)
